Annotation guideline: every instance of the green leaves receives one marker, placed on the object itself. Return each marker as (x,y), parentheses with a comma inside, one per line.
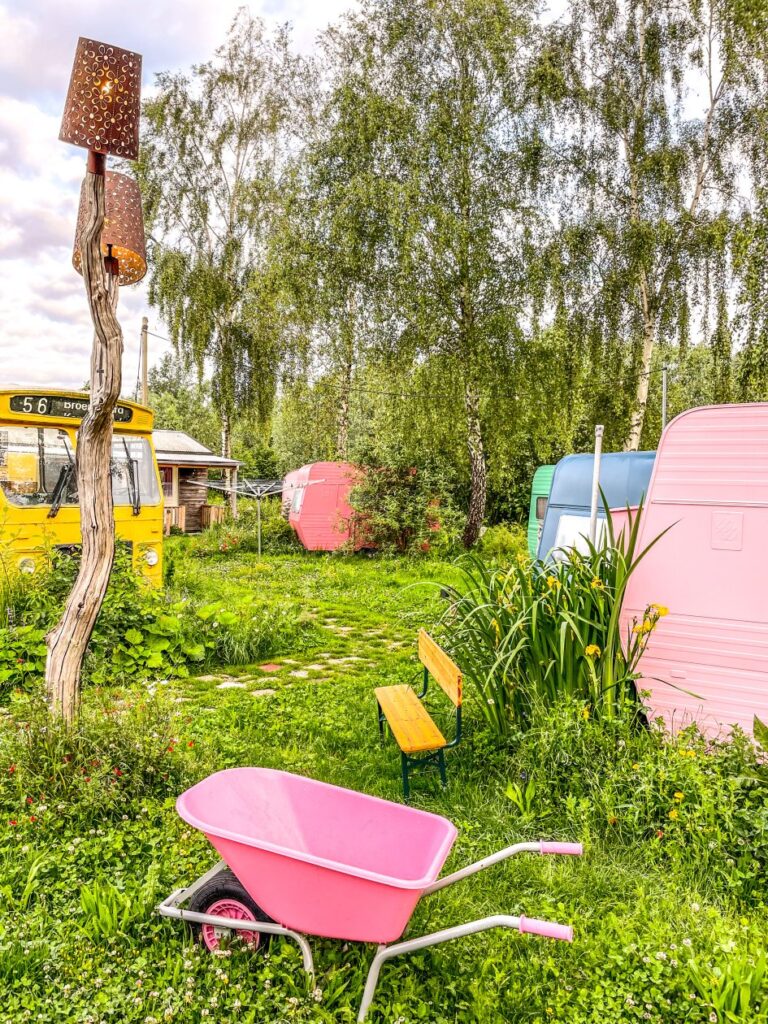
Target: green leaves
(530,634)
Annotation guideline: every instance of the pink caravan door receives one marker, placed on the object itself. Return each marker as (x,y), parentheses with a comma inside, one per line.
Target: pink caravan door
(707,659)
(321,513)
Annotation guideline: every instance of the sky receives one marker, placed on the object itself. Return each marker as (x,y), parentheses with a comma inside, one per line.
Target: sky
(45,327)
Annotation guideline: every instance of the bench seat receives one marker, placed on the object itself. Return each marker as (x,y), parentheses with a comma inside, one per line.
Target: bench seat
(409,720)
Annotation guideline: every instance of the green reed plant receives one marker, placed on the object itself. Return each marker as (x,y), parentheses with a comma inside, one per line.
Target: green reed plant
(532,633)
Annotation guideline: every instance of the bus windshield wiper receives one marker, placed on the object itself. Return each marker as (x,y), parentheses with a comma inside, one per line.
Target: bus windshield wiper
(65,475)
(62,484)
(133,480)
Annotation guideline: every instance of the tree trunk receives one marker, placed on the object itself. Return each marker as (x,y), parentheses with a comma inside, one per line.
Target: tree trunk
(68,640)
(478,472)
(637,418)
(342,437)
(226,453)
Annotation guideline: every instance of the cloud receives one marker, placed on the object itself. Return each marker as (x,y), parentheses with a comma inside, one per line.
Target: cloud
(46,327)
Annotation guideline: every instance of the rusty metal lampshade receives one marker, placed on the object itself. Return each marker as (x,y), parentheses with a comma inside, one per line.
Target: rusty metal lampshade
(103,101)
(123,228)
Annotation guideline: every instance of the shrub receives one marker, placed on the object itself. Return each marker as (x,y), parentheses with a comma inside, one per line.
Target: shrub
(504,542)
(404,509)
(531,633)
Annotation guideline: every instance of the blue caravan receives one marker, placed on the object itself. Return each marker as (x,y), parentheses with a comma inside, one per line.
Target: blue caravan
(624,479)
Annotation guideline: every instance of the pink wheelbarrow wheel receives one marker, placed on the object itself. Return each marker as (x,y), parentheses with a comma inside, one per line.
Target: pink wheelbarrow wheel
(224,896)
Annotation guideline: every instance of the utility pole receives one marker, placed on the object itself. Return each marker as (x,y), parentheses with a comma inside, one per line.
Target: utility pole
(144,386)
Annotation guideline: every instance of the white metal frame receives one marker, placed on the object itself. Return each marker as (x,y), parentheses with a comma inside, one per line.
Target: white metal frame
(171,907)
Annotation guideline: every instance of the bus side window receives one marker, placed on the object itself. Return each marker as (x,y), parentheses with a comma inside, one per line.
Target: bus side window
(541,507)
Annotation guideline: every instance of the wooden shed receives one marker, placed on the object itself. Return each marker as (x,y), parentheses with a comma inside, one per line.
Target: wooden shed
(184,466)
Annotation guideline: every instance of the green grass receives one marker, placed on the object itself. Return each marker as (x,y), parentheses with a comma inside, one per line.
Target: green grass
(79,941)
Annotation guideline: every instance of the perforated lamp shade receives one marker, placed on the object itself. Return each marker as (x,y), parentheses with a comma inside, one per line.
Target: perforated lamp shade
(123,228)
(102,108)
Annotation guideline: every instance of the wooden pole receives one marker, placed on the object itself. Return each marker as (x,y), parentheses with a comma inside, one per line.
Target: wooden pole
(68,640)
(144,370)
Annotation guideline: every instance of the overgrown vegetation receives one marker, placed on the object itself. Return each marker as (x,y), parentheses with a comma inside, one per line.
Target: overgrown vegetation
(141,633)
(668,904)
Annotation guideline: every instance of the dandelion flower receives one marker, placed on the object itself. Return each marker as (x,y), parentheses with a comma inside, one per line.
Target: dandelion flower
(674,814)
(592,651)
(679,796)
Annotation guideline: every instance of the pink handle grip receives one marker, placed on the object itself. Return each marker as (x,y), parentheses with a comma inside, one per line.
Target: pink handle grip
(575,849)
(551,929)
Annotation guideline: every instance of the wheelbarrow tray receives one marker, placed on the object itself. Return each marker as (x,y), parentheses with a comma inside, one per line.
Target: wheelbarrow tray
(317,858)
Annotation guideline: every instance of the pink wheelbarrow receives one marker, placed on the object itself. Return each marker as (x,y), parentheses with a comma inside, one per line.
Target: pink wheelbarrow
(302,857)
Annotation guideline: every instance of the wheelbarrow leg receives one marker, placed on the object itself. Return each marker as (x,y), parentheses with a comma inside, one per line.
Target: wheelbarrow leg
(520,924)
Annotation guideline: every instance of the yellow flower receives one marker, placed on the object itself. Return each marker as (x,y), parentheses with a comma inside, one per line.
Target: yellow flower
(597,584)
(674,814)
(496,630)
(679,796)
(585,713)
(659,610)
(592,651)
(552,581)
(635,766)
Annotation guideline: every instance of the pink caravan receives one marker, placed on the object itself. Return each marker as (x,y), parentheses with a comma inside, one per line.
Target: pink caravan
(707,659)
(316,503)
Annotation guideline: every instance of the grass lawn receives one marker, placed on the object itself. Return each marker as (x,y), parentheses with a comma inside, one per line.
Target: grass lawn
(668,903)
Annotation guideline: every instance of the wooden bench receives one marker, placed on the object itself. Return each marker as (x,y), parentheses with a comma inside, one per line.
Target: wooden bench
(420,740)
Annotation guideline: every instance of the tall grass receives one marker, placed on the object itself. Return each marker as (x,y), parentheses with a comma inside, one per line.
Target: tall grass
(529,634)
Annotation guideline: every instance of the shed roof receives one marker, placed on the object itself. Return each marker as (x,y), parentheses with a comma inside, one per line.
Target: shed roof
(174,447)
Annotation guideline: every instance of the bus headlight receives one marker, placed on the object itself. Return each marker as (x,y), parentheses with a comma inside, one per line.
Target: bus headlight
(151,556)
(27,565)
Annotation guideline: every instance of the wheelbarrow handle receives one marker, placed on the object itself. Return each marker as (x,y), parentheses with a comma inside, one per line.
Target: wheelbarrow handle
(574,849)
(550,929)
(480,865)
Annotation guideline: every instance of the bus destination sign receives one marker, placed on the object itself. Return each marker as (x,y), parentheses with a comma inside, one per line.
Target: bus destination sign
(62,407)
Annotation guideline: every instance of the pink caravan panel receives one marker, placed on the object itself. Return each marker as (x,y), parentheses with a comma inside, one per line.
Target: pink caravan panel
(710,486)
(317,858)
(322,520)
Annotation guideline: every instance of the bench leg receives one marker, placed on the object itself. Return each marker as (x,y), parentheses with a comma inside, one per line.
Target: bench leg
(441,765)
(381,720)
(406,784)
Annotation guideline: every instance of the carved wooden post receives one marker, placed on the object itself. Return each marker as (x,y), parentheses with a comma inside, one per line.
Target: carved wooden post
(102,115)
(68,640)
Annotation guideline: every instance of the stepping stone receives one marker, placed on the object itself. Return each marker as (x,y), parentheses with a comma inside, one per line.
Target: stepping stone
(336,661)
(300,673)
(316,668)
(262,693)
(290,661)
(270,667)
(229,684)
(211,679)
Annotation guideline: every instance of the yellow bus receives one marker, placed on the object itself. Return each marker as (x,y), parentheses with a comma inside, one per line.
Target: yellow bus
(38,489)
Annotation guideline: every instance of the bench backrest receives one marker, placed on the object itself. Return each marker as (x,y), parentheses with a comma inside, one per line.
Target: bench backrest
(444,671)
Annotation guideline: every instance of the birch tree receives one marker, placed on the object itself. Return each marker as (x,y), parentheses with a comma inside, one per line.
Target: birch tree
(216,167)
(655,104)
(441,96)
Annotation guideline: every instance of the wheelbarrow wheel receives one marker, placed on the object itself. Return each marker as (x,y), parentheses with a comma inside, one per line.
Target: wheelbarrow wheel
(224,895)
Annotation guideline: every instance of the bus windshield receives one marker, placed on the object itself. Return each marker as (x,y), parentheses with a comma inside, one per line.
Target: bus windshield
(37,468)
(32,462)
(133,472)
